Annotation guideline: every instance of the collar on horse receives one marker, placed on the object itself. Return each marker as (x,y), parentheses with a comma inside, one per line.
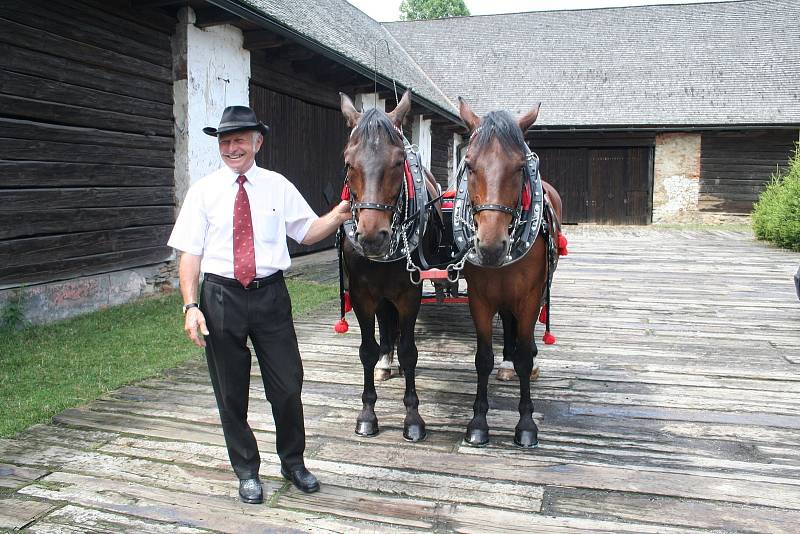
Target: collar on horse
(526,216)
(409,212)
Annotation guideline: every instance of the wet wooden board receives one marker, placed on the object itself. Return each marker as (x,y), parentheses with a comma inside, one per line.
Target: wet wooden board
(671,403)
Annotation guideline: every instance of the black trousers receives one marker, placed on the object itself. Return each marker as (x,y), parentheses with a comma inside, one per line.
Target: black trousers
(264,314)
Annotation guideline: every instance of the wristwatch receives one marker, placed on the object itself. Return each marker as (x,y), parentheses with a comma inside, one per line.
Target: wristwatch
(186,307)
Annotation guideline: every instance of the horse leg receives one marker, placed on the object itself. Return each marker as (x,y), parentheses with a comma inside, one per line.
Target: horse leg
(506,370)
(478,429)
(387,328)
(526,432)
(367,421)
(413,425)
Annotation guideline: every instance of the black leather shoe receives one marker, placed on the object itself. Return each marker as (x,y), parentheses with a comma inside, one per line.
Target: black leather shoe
(250,491)
(301,478)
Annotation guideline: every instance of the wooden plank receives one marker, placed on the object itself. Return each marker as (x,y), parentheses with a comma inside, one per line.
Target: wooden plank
(75,23)
(94,197)
(16,513)
(27,173)
(79,135)
(34,39)
(41,64)
(41,250)
(80,116)
(82,266)
(76,519)
(14,477)
(38,88)
(179,507)
(35,223)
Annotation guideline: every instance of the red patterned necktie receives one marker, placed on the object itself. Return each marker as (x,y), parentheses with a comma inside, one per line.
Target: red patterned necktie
(244,252)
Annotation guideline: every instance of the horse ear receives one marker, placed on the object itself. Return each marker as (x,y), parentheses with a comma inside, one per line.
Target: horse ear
(527,120)
(349,111)
(399,113)
(467,115)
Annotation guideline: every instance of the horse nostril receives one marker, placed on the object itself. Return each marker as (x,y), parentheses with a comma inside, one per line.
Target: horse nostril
(383,235)
(504,244)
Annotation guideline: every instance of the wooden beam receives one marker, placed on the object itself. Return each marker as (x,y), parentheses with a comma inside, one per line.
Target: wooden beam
(206,17)
(259,39)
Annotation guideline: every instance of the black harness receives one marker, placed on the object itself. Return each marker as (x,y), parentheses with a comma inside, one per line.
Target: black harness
(526,220)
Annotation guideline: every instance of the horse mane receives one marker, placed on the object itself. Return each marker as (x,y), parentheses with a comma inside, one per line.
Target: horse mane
(375,122)
(500,125)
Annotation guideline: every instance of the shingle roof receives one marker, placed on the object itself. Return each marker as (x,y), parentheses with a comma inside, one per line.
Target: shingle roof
(342,28)
(697,64)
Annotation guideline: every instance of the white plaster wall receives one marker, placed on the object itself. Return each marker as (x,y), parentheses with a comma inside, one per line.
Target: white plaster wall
(218,75)
(451,178)
(421,136)
(365,101)
(676,177)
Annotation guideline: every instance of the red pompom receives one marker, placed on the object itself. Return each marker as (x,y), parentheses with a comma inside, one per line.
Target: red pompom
(346,192)
(347,304)
(341,326)
(549,339)
(543,315)
(562,245)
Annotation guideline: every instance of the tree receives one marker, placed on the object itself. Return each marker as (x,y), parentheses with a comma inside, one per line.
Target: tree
(432,9)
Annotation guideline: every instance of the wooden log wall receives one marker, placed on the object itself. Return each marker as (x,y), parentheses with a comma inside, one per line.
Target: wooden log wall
(86,153)
(440,141)
(735,166)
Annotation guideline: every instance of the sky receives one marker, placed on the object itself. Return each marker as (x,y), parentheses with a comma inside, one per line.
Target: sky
(389,10)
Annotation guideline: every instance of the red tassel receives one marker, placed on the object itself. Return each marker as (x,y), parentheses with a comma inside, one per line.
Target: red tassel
(562,245)
(409,181)
(549,339)
(346,192)
(543,315)
(347,304)
(526,197)
(341,326)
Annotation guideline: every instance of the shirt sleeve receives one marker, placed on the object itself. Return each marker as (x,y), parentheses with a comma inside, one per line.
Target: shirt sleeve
(189,232)
(299,215)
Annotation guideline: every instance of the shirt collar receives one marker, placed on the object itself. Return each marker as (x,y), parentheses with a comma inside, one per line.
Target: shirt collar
(250,173)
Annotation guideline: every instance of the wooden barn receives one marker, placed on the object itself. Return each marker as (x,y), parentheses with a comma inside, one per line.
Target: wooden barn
(649,114)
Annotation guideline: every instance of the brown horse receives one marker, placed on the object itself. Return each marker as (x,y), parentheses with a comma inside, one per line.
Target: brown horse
(496,161)
(374,259)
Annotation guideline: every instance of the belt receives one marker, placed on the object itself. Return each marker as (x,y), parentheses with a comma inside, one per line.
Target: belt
(255,284)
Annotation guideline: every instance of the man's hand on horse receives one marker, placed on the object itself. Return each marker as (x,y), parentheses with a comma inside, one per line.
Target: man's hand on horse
(195,325)
(343,211)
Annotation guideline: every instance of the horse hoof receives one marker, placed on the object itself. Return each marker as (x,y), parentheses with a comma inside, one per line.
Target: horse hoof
(535,373)
(381,375)
(505,374)
(477,437)
(367,429)
(414,433)
(526,438)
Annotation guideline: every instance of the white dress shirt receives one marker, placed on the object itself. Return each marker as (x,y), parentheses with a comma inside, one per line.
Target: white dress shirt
(205,223)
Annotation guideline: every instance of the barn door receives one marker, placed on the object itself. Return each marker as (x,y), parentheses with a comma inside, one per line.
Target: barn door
(565,169)
(619,191)
(305,144)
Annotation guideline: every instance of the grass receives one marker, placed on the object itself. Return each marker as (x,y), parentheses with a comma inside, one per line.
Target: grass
(45,369)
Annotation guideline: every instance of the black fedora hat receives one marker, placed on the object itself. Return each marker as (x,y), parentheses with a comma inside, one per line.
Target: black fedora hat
(235,119)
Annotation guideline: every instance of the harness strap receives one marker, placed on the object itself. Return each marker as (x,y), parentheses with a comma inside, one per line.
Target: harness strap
(373,206)
(493,207)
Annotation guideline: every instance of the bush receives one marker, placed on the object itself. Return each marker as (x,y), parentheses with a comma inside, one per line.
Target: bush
(776,215)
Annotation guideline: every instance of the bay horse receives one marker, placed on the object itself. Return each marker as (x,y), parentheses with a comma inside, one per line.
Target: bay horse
(378,175)
(496,161)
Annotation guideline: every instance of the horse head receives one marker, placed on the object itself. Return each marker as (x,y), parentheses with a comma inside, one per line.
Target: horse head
(374,164)
(495,161)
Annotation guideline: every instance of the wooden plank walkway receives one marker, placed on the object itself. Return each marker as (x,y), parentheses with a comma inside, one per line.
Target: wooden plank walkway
(671,403)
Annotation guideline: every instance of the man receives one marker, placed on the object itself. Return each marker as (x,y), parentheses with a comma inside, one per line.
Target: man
(233,227)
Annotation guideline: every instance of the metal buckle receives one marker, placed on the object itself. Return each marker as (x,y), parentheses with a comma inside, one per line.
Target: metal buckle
(255,284)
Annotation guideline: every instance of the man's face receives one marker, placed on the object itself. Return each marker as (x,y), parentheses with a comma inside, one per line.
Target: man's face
(238,149)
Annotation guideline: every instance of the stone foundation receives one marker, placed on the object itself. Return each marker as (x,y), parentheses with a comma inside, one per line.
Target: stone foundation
(676,178)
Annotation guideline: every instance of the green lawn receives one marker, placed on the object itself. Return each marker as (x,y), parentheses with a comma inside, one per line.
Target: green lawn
(48,368)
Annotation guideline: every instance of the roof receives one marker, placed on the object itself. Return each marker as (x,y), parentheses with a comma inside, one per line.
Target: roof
(693,64)
(343,30)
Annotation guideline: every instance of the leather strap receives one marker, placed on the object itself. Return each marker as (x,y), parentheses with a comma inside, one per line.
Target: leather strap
(493,207)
